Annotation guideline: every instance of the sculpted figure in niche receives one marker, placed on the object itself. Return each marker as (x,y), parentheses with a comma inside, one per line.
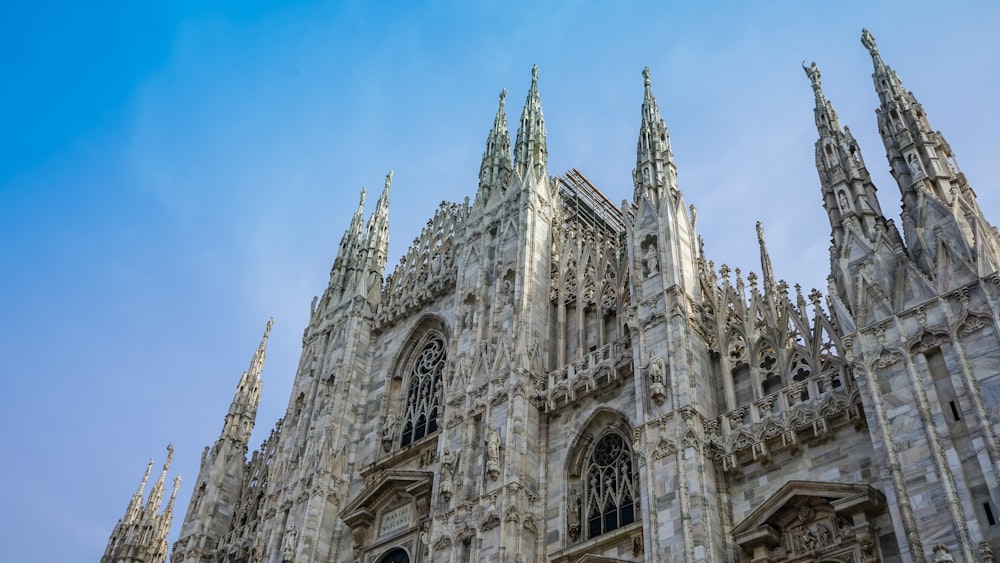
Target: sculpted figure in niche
(447,464)
(492,453)
(506,294)
(655,367)
(257,554)
(288,545)
(650,263)
(573,518)
(657,372)
(844,206)
(388,428)
(914,163)
(447,472)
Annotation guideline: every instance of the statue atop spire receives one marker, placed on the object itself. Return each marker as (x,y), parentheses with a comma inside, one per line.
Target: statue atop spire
(922,162)
(868,40)
(496,167)
(767,270)
(812,71)
(654,162)
(530,151)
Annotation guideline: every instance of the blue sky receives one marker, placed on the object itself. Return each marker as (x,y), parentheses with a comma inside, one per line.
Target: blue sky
(172,174)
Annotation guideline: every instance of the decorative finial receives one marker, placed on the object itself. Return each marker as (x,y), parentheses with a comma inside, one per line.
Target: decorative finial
(534,74)
(388,179)
(645,75)
(812,71)
(503,96)
(170,456)
(868,40)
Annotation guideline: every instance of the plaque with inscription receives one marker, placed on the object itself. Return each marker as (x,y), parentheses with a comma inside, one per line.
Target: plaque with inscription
(395,519)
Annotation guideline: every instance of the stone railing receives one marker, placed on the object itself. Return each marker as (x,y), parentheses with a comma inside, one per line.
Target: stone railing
(803,410)
(583,376)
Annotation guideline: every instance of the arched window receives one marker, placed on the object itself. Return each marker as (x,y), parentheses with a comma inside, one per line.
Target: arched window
(397,555)
(423,396)
(609,485)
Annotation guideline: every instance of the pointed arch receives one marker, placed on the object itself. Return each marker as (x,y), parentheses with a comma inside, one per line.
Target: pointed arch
(417,381)
(602,477)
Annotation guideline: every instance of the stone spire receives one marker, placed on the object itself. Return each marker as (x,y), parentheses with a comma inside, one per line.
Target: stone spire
(530,151)
(243,410)
(496,168)
(377,238)
(220,476)
(156,495)
(350,245)
(766,269)
(135,505)
(655,171)
(168,512)
(848,192)
(141,536)
(938,203)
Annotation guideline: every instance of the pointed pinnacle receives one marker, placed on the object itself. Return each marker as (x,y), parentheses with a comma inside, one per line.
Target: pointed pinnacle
(145,477)
(765,258)
(361,203)
(170,455)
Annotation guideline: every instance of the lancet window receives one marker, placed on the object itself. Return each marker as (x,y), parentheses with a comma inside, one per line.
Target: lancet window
(423,395)
(609,486)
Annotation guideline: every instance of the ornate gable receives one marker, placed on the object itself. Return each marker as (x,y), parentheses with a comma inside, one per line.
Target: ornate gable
(809,520)
(392,502)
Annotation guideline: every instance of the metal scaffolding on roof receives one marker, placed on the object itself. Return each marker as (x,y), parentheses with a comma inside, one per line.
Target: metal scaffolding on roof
(584,203)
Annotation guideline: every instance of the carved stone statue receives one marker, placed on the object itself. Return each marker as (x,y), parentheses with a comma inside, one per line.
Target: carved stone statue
(288,544)
(447,473)
(388,429)
(492,453)
(941,553)
(650,262)
(656,370)
(812,71)
(573,517)
(868,40)
(914,163)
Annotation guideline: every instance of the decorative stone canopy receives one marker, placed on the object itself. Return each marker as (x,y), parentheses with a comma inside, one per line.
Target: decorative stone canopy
(790,519)
(360,513)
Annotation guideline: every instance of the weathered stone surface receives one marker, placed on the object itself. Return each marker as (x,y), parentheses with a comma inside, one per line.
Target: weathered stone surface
(548,377)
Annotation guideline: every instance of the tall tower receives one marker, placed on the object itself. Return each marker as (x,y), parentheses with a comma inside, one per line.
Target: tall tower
(314,455)
(141,535)
(946,233)
(674,380)
(220,477)
(918,321)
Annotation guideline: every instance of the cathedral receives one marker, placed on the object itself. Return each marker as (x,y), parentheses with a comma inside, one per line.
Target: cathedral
(546,376)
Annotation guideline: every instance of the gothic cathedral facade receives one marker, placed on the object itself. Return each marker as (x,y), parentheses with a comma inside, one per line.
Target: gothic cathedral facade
(548,377)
